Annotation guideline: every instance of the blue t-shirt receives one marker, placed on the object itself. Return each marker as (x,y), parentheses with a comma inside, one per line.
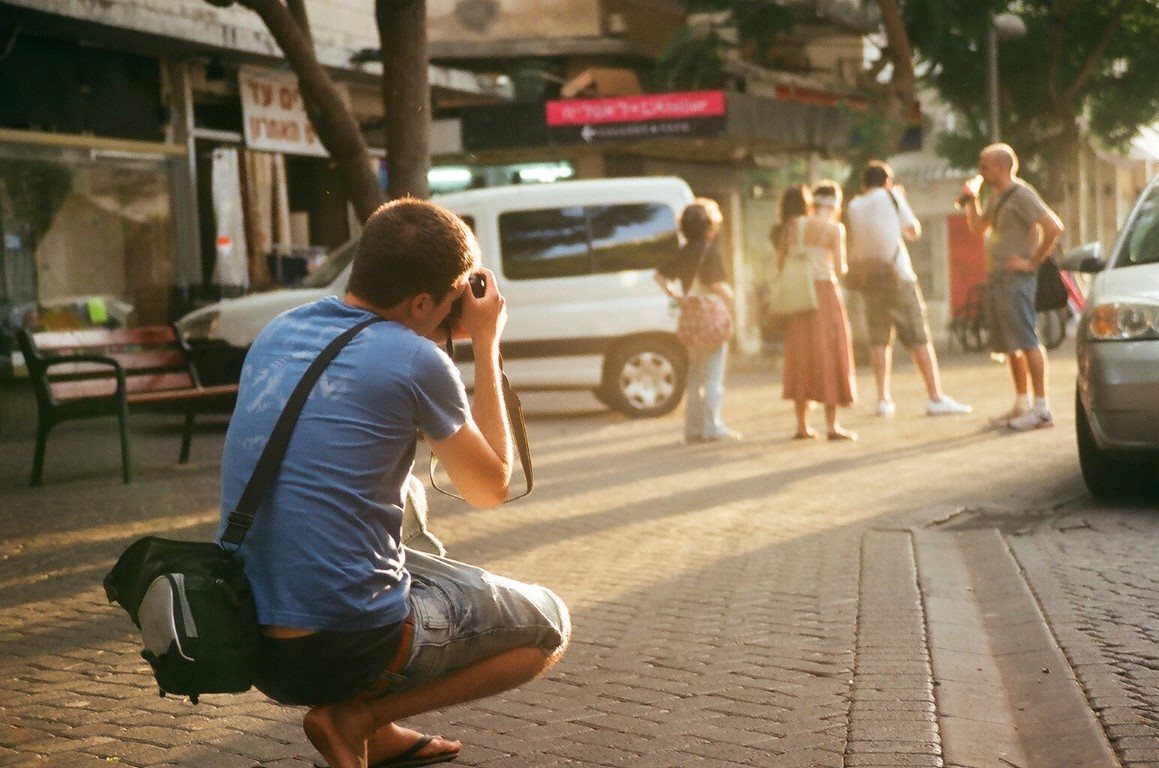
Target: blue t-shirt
(325,549)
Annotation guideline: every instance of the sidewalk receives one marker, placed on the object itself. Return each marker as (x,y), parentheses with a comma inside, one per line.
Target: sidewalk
(762,604)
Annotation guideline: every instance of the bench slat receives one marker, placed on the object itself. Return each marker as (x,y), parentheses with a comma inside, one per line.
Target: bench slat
(175,395)
(106,386)
(152,360)
(101,338)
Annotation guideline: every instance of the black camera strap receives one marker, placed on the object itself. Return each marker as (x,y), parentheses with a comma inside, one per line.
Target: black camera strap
(518,426)
(270,461)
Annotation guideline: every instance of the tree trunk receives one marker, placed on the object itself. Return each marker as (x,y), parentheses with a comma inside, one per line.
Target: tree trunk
(893,104)
(331,116)
(406,94)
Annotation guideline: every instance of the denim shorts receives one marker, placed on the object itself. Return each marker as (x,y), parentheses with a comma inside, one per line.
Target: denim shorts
(463,615)
(1010,311)
(459,615)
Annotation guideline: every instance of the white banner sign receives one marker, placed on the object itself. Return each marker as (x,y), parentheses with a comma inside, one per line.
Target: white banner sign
(275,118)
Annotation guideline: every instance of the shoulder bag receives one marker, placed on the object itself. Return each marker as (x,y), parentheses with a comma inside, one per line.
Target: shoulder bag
(191,599)
(792,289)
(705,322)
(1051,293)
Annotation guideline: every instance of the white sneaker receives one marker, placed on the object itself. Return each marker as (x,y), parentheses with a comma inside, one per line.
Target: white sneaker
(1032,419)
(886,408)
(1005,419)
(947,406)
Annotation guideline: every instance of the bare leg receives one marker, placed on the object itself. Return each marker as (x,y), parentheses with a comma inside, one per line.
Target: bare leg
(1020,372)
(1036,368)
(834,428)
(882,363)
(341,731)
(801,408)
(927,362)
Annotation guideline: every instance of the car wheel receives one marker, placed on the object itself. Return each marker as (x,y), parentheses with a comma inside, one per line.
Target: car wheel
(644,377)
(1108,475)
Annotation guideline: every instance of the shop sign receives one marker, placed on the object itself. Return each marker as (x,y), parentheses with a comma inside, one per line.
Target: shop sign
(274,115)
(630,118)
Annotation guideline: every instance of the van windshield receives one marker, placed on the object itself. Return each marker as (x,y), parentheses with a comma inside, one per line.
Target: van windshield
(327,272)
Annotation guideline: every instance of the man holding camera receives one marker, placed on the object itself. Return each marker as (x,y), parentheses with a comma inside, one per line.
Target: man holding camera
(1021,232)
(361,630)
(880,223)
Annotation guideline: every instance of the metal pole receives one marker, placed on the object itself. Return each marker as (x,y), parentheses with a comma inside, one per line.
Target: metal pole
(992,75)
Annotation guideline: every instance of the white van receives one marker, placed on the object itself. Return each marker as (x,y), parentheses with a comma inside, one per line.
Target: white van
(574,260)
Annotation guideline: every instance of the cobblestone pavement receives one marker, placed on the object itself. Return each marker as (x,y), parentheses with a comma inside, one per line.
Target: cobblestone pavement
(1093,570)
(715,590)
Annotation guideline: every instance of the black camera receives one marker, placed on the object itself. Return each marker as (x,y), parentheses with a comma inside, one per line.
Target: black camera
(478,285)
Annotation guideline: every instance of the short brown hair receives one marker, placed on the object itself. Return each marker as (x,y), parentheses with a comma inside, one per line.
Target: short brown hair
(408,247)
(700,219)
(876,173)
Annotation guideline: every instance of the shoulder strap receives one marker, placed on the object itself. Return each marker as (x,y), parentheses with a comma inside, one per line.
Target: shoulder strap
(518,435)
(699,266)
(1001,202)
(270,461)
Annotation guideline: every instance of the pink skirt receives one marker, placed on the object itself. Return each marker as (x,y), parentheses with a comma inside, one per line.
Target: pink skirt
(818,362)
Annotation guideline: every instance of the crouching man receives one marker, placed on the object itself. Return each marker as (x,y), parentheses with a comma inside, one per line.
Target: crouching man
(361,630)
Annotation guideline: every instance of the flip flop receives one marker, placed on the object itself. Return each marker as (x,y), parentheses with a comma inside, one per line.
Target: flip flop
(407,758)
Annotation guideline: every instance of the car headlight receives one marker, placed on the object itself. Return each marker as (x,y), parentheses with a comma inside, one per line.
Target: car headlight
(1124,321)
(200,328)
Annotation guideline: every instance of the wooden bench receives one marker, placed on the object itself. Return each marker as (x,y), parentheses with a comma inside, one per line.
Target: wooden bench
(100,372)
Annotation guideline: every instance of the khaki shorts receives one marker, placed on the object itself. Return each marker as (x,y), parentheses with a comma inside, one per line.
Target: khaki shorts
(903,312)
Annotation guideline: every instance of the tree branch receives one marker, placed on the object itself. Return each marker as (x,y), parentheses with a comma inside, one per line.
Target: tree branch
(298,11)
(1095,55)
(901,52)
(337,129)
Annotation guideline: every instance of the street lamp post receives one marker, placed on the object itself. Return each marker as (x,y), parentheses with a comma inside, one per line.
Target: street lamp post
(1002,26)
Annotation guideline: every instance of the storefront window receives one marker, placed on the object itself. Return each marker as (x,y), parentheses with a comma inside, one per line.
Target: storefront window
(79,223)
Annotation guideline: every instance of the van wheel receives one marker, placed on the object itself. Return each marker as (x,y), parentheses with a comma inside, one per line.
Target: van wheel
(644,377)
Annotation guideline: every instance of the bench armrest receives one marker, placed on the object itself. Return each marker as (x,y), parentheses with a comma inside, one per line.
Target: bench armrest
(90,357)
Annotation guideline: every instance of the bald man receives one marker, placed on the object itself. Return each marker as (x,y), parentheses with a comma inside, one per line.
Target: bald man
(1020,232)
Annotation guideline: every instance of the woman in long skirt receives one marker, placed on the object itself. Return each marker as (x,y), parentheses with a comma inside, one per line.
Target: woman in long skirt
(818,356)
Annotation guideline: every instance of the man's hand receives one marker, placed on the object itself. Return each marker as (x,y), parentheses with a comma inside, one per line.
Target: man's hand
(485,317)
(1018,263)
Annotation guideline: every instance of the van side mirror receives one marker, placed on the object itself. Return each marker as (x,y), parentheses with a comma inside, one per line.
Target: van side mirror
(1085,258)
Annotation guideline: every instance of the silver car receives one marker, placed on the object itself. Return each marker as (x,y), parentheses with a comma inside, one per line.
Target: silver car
(1117,394)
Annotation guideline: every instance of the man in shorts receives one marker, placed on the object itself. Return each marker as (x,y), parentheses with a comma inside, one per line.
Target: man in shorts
(355,626)
(1021,232)
(880,222)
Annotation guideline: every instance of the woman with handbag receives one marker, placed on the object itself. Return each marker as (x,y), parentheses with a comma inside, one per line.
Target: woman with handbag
(705,323)
(818,357)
